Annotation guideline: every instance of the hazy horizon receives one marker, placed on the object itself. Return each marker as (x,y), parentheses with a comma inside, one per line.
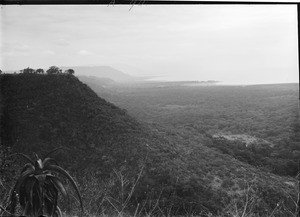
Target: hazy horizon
(235,44)
(145,78)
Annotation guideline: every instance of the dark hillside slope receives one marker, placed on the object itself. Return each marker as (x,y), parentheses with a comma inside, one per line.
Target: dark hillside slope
(45,112)
(42,112)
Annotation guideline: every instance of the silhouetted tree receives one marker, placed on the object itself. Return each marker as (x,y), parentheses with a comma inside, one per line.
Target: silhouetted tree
(70,71)
(39,71)
(28,70)
(54,70)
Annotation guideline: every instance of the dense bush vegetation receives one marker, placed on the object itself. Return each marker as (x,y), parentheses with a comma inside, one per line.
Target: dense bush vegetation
(269,112)
(125,166)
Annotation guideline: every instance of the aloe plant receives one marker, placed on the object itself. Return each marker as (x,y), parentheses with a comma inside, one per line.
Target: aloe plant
(37,188)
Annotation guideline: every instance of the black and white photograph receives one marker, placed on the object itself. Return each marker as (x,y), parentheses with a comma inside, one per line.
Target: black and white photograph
(150,110)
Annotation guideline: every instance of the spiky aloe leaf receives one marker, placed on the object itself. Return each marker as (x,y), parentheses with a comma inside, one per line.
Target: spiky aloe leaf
(27,209)
(58,211)
(30,188)
(60,170)
(59,186)
(51,195)
(53,208)
(29,171)
(26,190)
(12,199)
(26,167)
(37,199)
(48,160)
(41,177)
(28,193)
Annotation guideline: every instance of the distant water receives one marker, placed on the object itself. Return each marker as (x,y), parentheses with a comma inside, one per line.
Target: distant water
(195,82)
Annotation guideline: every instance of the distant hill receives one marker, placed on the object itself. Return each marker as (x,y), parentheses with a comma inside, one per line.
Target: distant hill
(95,80)
(101,72)
(181,176)
(99,85)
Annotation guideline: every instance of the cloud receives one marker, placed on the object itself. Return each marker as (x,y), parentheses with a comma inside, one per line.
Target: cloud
(21,48)
(84,52)
(62,42)
(48,52)
(12,49)
(8,53)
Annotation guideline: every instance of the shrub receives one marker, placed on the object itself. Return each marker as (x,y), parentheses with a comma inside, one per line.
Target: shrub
(36,190)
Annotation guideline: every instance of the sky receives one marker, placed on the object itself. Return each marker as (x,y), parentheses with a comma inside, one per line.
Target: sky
(235,44)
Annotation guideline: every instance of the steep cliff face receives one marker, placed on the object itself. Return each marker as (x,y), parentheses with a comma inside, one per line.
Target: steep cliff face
(43,112)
